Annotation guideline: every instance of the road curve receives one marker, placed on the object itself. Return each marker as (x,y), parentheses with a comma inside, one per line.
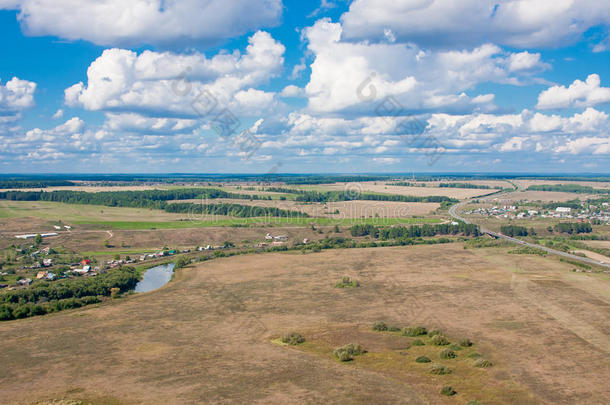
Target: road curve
(454,214)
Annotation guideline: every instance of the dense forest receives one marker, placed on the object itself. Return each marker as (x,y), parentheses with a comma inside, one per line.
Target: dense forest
(233,210)
(7,183)
(414,231)
(46,297)
(568,188)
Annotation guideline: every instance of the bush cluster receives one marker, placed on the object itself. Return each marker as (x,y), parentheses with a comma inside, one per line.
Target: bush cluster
(347,352)
(293,339)
(466,343)
(439,340)
(347,282)
(482,363)
(439,369)
(418,342)
(448,390)
(448,354)
(422,359)
(414,331)
(380,326)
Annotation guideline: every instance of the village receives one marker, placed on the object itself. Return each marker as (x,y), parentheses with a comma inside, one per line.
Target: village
(595,213)
(47,264)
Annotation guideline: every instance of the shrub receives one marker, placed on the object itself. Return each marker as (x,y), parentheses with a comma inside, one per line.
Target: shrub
(414,331)
(475,402)
(439,340)
(418,342)
(448,354)
(380,326)
(422,359)
(114,292)
(347,352)
(482,363)
(466,343)
(448,390)
(393,329)
(347,282)
(474,355)
(455,347)
(434,332)
(293,339)
(342,355)
(439,369)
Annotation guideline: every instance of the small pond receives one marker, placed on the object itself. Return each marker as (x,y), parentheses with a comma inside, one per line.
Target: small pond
(155,277)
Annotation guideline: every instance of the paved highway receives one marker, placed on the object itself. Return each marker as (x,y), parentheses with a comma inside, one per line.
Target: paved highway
(454,214)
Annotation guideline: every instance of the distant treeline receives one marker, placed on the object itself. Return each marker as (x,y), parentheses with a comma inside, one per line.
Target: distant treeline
(465,185)
(333,196)
(573,227)
(156,199)
(331,179)
(574,204)
(568,188)
(34,183)
(414,231)
(329,196)
(46,297)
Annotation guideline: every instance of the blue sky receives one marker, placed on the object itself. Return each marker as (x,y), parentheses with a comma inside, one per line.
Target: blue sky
(330,86)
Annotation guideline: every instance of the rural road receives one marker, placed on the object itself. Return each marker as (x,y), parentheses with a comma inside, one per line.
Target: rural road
(454,214)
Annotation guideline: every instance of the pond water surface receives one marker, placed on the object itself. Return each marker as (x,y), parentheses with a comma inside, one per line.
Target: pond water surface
(155,277)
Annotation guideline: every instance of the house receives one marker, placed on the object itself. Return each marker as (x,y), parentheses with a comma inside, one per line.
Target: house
(42,274)
(85,262)
(563,210)
(26,281)
(454,223)
(281,237)
(57,227)
(67,227)
(305,241)
(268,236)
(47,262)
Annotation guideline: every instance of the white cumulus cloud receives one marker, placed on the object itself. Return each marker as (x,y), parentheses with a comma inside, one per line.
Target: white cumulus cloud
(579,94)
(138,22)
(450,23)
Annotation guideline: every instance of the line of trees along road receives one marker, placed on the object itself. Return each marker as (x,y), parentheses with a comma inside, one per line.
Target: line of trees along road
(415,231)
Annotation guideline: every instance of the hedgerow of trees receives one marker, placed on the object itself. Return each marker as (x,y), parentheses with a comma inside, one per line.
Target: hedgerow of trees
(414,231)
(573,227)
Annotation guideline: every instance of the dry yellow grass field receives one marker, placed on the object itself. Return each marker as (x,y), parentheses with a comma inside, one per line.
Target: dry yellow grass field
(523,184)
(544,196)
(207,336)
(381,187)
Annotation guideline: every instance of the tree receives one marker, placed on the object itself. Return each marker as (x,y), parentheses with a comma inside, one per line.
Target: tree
(38,239)
(106,243)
